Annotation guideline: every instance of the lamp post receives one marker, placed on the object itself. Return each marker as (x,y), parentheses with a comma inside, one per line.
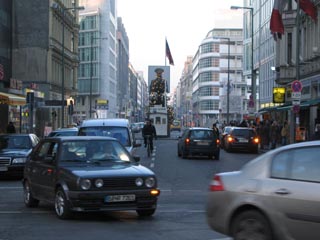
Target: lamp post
(56,6)
(253,79)
(228,82)
(91,72)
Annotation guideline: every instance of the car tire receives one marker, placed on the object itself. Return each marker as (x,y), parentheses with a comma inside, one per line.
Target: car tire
(210,156)
(179,153)
(146,213)
(61,205)
(217,155)
(251,223)
(184,154)
(29,200)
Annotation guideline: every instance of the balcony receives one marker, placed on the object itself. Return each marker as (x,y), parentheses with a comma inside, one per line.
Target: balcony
(286,75)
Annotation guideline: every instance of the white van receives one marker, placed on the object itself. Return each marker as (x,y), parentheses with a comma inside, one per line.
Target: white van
(116,127)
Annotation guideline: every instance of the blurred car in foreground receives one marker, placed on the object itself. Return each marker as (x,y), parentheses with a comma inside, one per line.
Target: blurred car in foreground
(276,196)
(83,173)
(64,132)
(199,141)
(14,150)
(242,138)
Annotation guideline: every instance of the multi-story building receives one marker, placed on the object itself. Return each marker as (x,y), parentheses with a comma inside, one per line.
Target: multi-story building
(45,59)
(217,62)
(97,78)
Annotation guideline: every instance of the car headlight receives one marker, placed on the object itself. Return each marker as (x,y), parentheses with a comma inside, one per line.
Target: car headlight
(139,182)
(85,184)
(19,160)
(98,183)
(150,182)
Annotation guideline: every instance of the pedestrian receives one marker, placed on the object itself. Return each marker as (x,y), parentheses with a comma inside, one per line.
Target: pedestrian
(274,132)
(216,130)
(316,135)
(284,133)
(11,128)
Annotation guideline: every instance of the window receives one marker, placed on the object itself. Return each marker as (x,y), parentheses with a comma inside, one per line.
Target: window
(297,164)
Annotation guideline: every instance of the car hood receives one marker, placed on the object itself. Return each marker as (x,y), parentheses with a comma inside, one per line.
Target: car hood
(14,152)
(106,170)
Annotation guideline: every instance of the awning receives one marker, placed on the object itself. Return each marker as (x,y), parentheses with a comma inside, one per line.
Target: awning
(12,99)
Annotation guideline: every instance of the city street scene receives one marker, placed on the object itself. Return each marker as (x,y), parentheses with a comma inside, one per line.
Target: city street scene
(155,119)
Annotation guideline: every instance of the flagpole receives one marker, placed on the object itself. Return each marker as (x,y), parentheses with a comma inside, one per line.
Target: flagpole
(165,51)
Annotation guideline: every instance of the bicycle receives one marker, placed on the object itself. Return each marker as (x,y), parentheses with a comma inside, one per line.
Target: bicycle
(148,137)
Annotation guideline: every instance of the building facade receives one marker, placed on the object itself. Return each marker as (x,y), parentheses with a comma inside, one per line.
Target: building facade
(219,60)
(97,75)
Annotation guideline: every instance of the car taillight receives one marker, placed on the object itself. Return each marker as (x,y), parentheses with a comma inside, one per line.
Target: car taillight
(218,141)
(256,140)
(216,184)
(230,139)
(187,140)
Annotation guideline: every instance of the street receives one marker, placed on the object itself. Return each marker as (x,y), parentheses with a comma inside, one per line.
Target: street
(180,213)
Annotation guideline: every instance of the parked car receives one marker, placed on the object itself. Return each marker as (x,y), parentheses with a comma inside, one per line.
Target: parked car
(273,197)
(73,131)
(117,128)
(88,173)
(199,141)
(223,135)
(14,150)
(242,138)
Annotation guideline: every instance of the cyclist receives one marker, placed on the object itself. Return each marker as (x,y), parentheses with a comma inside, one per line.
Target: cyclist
(149,129)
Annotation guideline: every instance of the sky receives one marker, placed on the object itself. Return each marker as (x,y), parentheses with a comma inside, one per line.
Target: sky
(184,23)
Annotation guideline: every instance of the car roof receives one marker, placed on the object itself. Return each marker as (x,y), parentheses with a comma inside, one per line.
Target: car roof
(17,134)
(82,138)
(66,129)
(200,128)
(117,122)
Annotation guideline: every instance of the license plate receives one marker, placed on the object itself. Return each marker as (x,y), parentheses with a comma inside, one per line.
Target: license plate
(243,140)
(3,169)
(203,143)
(120,198)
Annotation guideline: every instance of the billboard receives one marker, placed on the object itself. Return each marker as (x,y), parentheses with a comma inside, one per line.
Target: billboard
(165,75)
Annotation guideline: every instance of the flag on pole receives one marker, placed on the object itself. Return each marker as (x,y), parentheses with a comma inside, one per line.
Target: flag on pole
(168,54)
(276,24)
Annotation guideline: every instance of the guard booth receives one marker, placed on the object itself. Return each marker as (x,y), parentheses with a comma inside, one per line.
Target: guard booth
(159,118)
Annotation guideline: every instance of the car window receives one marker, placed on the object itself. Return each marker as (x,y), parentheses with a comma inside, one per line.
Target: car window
(47,149)
(201,134)
(297,164)
(243,133)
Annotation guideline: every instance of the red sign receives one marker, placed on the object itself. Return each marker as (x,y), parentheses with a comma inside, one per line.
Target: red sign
(296,86)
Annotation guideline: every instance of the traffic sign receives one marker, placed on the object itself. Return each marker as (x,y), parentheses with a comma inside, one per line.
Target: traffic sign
(296,86)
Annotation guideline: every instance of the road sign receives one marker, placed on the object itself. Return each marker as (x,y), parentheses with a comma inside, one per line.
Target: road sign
(296,95)
(296,86)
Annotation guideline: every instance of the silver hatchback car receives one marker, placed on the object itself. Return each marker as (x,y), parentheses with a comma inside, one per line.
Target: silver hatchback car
(275,196)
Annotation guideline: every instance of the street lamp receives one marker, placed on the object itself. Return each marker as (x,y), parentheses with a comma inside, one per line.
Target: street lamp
(253,80)
(91,72)
(56,6)
(228,82)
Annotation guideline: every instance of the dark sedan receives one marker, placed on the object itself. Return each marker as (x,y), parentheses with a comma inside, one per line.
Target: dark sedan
(199,141)
(242,138)
(14,150)
(84,173)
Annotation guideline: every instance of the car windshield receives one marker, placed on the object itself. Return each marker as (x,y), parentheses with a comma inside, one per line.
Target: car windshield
(201,134)
(15,142)
(120,133)
(94,151)
(243,133)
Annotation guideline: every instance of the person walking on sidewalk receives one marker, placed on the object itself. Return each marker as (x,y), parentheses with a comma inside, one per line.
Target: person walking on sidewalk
(284,133)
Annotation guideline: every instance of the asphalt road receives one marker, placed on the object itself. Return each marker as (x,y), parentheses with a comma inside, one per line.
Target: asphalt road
(180,213)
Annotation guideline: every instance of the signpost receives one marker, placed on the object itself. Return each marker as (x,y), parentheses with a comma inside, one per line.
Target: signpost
(296,87)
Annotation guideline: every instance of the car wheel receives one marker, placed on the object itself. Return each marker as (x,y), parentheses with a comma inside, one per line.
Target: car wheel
(217,155)
(251,225)
(61,205)
(184,154)
(29,200)
(146,213)
(179,153)
(210,156)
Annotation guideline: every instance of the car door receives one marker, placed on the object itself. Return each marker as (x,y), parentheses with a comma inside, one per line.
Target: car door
(295,189)
(44,169)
